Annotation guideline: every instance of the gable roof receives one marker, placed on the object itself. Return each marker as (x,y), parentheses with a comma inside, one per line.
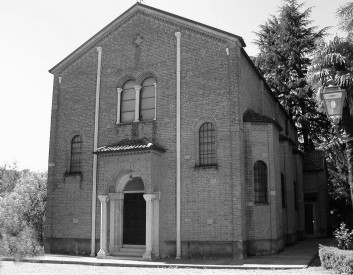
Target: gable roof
(314,161)
(183,22)
(252,116)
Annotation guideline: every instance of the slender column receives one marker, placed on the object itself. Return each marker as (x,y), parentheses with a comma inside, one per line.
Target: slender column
(118,108)
(155,101)
(120,220)
(149,225)
(103,236)
(137,103)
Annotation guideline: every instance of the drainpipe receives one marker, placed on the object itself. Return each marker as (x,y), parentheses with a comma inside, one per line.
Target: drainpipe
(95,142)
(178,240)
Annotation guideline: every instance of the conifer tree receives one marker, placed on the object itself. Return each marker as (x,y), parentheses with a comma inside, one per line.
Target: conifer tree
(286,42)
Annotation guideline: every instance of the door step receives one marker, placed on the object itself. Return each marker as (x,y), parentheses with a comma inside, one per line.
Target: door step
(130,251)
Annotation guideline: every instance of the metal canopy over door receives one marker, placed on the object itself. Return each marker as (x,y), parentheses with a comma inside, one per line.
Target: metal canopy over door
(134,219)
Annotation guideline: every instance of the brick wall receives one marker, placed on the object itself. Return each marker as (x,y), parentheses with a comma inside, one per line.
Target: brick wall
(215,87)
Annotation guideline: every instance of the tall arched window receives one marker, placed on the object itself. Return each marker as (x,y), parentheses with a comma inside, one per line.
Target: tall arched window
(76,155)
(148,99)
(295,195)
(128,94)
(207,144)
(260,181)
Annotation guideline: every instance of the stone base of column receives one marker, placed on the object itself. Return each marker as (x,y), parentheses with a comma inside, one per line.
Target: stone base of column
(148,255)
(102,254)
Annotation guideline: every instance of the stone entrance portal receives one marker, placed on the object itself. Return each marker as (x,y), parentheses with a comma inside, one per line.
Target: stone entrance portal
(134,220)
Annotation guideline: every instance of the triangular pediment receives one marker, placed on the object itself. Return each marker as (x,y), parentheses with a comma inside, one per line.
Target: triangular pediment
(139,9)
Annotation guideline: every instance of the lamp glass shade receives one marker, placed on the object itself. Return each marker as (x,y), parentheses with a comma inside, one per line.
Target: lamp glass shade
(333,97)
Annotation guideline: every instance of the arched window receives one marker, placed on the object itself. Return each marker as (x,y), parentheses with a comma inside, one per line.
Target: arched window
(148,99)
(128,94)
(260,181)
(76,155)
(207,144)
(283,191)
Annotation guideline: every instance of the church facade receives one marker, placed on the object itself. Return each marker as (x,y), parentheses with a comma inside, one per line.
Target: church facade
(167,142)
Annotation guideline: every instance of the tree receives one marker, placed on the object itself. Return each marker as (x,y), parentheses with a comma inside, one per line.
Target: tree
(22,209)
(285,42)
(345,15)
(334,61)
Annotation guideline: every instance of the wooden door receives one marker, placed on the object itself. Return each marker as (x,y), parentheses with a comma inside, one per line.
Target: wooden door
(309,219)
(134,219)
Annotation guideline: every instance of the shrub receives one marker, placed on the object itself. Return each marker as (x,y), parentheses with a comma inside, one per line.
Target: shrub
(343,237)
(20,245)
(336,259)
(22,214)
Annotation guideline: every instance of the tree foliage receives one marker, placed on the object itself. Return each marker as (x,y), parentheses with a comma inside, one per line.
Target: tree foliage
(345,15)
(333,61)
(22,209)
(286,42)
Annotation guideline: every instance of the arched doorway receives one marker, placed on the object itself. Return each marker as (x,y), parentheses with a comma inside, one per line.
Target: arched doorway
(134,213)
(134,219)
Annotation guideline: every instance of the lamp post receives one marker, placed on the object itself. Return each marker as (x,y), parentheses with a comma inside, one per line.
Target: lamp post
(333,97)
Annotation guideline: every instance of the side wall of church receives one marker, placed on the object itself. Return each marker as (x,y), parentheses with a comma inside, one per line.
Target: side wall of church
(264,221)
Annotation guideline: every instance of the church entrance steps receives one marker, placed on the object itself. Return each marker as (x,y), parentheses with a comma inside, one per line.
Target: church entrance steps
(130,250)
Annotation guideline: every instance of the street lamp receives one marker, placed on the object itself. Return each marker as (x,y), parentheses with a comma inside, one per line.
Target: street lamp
(333,97)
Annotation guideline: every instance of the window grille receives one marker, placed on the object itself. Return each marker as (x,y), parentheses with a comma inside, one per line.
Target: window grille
(295,195)
(127,110)
(260,181)
(207,144)
(283,190)
(76,155)
(147,99)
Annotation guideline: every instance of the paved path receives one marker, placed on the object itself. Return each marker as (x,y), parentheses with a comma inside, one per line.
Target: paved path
(297,256)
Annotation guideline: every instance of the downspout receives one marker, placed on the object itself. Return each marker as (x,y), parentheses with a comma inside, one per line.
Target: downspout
(178,239)
(95,142)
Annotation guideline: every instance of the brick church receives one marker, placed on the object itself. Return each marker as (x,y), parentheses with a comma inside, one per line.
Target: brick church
(166,141)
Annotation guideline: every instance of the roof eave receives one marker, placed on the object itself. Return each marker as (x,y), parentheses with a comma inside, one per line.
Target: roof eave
(91,40)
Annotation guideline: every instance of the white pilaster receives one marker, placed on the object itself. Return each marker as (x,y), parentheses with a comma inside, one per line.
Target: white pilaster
(155,246)
(178,150)
(149,225)
(95,161)
(120,220)
(118,108)
(113,218)
(137,103)
(103,251)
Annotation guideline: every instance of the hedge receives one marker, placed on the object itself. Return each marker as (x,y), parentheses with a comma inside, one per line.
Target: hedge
(336,259)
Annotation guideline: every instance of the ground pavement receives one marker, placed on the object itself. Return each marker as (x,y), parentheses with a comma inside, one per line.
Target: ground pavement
(297,256)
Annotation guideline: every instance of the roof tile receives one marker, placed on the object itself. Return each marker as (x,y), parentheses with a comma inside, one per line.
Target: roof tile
(252,116)
(129,145)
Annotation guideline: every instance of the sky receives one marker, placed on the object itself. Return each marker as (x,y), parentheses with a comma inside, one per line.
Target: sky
(35,35)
